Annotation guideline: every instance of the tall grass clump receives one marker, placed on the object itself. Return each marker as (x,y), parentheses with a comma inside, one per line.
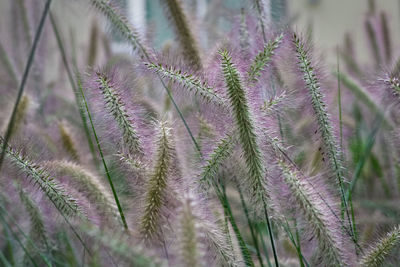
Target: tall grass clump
(204,135)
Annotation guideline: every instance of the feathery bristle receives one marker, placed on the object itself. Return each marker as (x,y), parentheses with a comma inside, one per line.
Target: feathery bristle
(188,81)
(40,177)
(263,58)
(157,184)
(321,113)
(183,32)
(326,227)
(382,249)
(117,109)
(245,126)
(68,142)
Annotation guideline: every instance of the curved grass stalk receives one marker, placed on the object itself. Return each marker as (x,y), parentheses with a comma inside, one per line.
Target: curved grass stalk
(20,115)
(188,81)
(9,228)
(23,81)
(78,99)
(324,124)
(373,39)
(260,9)
(250,224)
(6,62)
(361,94)
(30,244)
(190,251)
(382,249)
(221,193)
(38,230)
(247,137)
(135,255)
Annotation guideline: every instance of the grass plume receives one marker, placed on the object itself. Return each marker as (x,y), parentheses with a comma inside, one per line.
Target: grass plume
(324,124)
(117,109)
(382,249)
(263,58)
(184,32)
(157,184)
(40,177)
(188,81)
(247,136)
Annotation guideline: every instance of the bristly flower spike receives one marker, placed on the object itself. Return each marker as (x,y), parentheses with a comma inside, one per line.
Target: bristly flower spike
(326,227)
(247,137)
(381,250)
(188,81)
(156,193)
(39,176)
(263,58)
(324,124)
(117,109)
(184,33)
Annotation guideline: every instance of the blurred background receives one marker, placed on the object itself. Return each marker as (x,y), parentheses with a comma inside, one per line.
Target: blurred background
(325,21)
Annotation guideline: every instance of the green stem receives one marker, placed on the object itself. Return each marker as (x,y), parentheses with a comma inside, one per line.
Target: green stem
(23,81)
(72,83)
(102,159)
(228,213)
(271,236)
(253,236)
(18,240)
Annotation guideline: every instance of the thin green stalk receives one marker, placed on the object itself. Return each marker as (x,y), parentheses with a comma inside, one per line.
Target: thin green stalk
(339,102)
(4,260)
(296,245)
(8,65)
(260,231)
(271,237)
(18,240)
(298,248)
(23,81)
(228,213)
(253,236)
(102,158)
(73,85)
(32,243)
(364,156)
(259,7)
(25,21)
